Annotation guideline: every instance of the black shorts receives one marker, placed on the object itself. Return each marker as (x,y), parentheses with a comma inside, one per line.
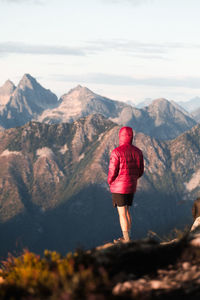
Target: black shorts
(122,199)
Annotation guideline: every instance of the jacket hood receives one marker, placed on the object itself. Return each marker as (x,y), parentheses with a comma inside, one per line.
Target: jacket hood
(125,135)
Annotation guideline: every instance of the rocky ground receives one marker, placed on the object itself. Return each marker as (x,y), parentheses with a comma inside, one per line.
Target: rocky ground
(149,270)
(140,270)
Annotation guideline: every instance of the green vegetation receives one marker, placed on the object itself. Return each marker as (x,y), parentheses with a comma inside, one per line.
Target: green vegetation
(52,277)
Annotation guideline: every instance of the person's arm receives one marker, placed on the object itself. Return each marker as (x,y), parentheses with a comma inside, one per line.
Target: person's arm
(141,169)
(113,167)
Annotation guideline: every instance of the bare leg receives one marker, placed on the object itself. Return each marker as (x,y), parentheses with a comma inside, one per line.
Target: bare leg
(128,214)
(124,223)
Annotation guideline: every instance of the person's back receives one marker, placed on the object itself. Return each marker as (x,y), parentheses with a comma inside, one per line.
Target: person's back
(125,167)
(126,164)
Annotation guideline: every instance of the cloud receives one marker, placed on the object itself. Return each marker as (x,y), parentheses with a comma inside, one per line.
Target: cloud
(22,48)
(133,2)
(128,47)
(133,48)
(111,79)
(139,49)
(23,1)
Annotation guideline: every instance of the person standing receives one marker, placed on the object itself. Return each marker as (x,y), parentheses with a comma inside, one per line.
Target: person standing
(125,167)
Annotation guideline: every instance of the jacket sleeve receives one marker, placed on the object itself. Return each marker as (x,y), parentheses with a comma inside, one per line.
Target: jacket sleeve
(141,168)
(113,167)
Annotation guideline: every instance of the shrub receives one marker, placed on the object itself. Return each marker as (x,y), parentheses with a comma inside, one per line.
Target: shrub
(52,277)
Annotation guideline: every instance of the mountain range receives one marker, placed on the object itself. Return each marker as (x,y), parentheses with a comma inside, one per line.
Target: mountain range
(54,156)
(191,105)
(196,115)
(145,102)
(28,101)
(53,189)
(25,102)
(161,119)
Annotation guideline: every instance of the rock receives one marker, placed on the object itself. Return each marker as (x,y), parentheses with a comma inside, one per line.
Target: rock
(196,224)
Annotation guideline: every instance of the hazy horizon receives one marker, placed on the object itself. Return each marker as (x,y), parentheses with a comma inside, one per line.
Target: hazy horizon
(123,100)
(123,49)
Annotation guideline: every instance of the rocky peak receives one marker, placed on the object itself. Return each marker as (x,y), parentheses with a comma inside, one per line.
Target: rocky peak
(166,108)
(161,110)
(8,87)
(6,91)
(28,101)
(160,103)
(80,88)
(28,81)
(79,92)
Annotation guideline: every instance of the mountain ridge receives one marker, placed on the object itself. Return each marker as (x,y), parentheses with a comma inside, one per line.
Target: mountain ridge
(30,101)
(5,93)
(196,114)
(59,171)
(80,101)
(191,104)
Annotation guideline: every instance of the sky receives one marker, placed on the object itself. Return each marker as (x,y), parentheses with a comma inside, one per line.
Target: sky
(126,50)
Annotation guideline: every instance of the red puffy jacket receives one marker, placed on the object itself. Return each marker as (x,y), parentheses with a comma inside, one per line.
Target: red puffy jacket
(126,164)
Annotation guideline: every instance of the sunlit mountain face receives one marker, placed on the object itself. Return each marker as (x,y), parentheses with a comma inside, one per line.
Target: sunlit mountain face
(30,101)
(53,189)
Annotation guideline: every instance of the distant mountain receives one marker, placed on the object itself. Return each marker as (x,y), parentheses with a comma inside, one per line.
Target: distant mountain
(53,189)
(162,119)
(191,105)
(130,102)
(144,103)
(179,107)
(27,100)
(5,93)
(165,120)
(196,114)
(80,102)
(30,101)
